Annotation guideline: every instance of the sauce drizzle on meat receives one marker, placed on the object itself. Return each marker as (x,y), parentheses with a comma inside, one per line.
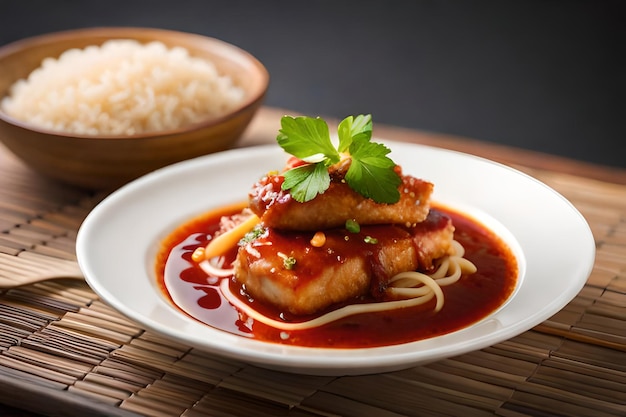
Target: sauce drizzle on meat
(467,301)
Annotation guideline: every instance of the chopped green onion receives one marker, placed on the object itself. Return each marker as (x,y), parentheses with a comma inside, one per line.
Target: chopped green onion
(289,263)
(369,239)
(352,226)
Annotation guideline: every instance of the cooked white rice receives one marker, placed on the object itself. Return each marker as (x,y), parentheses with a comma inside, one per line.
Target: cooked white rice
(121,88)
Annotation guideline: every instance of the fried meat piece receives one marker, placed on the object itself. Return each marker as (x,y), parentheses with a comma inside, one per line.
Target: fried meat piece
(277,209)
(347,266)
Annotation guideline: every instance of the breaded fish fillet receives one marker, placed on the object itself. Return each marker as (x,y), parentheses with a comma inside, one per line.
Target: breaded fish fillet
(277,209)
(284,269)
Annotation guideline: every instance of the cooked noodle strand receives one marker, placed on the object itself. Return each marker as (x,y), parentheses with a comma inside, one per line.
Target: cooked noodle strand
(334,315)
(214,266)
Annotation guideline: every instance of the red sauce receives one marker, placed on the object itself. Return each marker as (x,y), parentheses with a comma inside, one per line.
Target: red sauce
(467,301)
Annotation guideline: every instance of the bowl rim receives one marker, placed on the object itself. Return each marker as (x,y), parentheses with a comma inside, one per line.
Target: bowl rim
(121,32)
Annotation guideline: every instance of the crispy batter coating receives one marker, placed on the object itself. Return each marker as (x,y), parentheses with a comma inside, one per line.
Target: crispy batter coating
(277,209)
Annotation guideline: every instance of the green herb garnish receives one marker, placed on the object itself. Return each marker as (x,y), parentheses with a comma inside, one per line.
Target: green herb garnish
(289,263)
(371,240)
(371,171)
(353,226)
(253,234)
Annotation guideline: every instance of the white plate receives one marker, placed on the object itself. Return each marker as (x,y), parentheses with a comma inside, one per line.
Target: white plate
(117,243)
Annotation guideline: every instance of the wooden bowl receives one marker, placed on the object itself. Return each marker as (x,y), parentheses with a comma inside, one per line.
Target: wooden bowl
(109,161)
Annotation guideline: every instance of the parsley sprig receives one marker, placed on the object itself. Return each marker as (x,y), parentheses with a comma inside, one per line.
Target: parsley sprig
(371,172)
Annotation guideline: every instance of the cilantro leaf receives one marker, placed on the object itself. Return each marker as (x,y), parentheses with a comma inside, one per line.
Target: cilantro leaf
(307,138)
(352,128)
(306,181)
(371,172)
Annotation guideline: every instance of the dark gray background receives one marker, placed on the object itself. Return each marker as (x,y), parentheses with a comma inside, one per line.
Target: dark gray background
(540,75)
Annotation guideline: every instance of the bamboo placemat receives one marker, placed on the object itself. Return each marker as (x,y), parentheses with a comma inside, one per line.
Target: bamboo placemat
(64,352)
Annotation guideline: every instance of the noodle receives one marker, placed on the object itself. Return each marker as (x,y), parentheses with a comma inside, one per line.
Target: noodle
(216,269)
(408,289)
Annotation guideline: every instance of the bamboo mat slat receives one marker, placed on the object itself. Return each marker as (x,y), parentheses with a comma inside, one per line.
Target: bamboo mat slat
(60,342)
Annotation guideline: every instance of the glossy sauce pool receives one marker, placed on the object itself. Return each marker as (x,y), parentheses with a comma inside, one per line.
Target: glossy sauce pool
(467,301)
